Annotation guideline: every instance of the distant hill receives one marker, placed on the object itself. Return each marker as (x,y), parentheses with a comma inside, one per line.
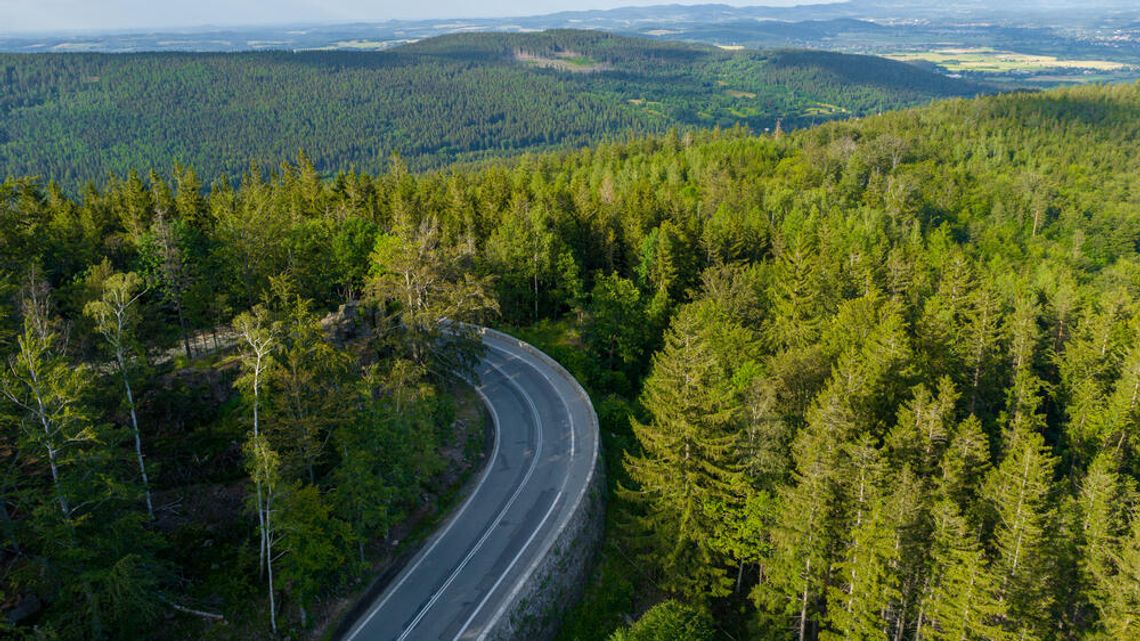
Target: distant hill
(75,117)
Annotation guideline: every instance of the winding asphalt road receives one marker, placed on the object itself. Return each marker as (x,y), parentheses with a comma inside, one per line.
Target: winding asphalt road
(466,575)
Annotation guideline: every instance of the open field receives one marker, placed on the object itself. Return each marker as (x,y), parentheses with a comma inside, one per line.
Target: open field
(985,60)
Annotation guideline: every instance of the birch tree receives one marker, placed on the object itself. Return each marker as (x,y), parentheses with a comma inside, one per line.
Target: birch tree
(257,339)
(263,465)
(115,319)
(47,392)
(418,284)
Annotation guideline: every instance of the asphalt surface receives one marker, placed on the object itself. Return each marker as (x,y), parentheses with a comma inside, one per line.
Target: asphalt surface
(463,578)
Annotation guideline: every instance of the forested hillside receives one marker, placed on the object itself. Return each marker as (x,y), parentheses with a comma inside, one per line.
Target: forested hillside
(78,117)
(870,380)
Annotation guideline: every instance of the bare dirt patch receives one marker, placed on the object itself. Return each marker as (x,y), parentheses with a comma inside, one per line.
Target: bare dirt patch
(570,61)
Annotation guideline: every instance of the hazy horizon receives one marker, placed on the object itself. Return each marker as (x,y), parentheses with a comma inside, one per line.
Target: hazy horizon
(109,16)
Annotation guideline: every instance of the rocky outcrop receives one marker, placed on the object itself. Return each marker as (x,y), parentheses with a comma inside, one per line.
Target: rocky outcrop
(346,324)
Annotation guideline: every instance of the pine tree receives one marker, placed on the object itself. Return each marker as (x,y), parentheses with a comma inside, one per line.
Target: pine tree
(803,534)
(1102,519)
(797,302)
(940,326)
(669,620)
(524,251)
(810,523)
(168,268)
(1118,594)
(1022,396)
(908,512)
(977,343)
(616,327)
(923,428)
(1119,415)
(965,464)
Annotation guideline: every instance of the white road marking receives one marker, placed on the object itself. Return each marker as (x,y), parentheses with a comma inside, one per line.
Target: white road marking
(510,567)
(498,519)
(486,473)
(569,415)
(470,499)
(519,584)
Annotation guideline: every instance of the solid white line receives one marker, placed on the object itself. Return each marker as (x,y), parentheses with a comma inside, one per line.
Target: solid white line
(522,579)
(557,392)
(486,473)
(487,533)
(509,567)
(462,509)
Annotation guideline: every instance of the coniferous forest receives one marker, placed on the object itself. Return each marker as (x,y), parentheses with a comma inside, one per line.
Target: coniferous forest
(875,379)
(78,117)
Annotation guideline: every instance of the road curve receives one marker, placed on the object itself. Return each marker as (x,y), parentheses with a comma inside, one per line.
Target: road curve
(466,576)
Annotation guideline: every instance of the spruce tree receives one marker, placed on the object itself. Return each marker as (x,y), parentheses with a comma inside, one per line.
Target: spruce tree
(963,600)
(866,584)
(1019,492)
(686,475)
(965,464)
(1118,594)
(977,344)
(923,428)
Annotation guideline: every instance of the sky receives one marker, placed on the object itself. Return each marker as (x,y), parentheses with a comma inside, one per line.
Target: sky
(112,15)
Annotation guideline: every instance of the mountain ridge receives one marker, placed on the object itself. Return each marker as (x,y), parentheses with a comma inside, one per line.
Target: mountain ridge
(77,117)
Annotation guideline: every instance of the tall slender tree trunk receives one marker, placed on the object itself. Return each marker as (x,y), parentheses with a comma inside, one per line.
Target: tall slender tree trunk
(269,563)
(918,623)
(182,326)
(53,454)
(135,428)
(41,413)
(264,544)
(536,289)
(900,624)
(804,602)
